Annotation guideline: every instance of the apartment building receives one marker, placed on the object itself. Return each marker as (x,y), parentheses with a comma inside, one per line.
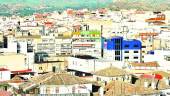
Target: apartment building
(86,42)
(63,42)
(119,49)
(85,65)
(47,45)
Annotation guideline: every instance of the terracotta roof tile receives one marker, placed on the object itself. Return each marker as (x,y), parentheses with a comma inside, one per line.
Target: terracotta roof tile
(111,72)
(146,64)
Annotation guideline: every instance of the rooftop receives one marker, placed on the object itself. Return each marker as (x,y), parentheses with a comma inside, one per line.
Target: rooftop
(53,79)
(5,93)
(162,73)
(145,64)
(3,69)
(16,79)
(111,72)
(118,88)
(58,79)
(84,57)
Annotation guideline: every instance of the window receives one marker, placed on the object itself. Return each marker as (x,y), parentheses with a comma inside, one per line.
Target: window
(126,46)
(167,58)
(98,79)
(117,41)
(43,90)
(135,57)
(126,51)
(117,58)
(53,69)
(48,90)
(135,51)
(117,52)
(57,90)
(136,45)
(143,46)
(117,47)
(126,57)
(73,89)
(40,68)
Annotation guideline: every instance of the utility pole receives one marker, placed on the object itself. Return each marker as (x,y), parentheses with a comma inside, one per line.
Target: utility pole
(101,33)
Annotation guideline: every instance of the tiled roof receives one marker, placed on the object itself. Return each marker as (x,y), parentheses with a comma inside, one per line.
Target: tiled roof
(5,93)
(16,79)
(161,84)
(22,71)
(53,79)
(146,64)
(163,73)
(58,79)
(3,69)
(111,72)
(117,88)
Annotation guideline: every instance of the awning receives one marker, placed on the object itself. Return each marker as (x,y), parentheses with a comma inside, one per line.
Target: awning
(158,76)
(151,76)
(22,71)
(148,76)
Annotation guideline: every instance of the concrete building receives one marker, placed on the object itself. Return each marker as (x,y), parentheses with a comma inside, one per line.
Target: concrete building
(85,65)
(161,56)
(63,39)
(47,45)
(63,46)
(122,50)
(49,66)
(13,61)
(87,42)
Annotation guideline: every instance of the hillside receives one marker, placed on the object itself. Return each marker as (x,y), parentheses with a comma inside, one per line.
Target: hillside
(28,7)
(154,5)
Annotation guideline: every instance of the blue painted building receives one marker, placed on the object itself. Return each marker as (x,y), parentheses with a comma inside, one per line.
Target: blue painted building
(119,49)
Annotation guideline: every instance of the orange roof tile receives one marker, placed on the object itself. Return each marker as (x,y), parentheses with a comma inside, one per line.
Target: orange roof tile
(146,64)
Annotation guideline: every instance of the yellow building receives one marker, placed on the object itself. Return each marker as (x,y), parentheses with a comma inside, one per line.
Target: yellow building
(51,64)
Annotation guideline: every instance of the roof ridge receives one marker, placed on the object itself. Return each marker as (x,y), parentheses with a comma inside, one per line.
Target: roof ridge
(47,78)
(61,79)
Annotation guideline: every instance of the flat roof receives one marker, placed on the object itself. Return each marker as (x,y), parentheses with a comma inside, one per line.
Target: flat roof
(84,57)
